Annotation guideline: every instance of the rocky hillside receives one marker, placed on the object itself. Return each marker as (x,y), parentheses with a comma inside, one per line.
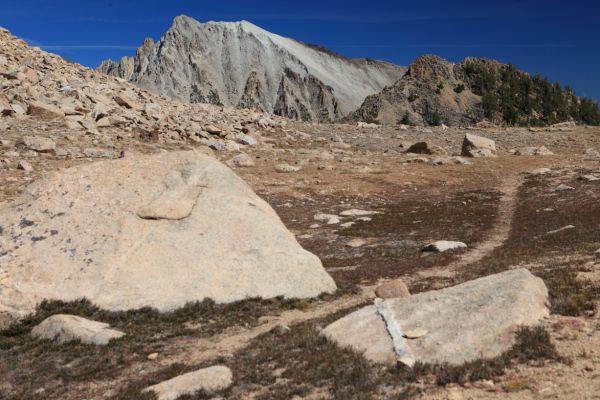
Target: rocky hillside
(41,85)
(239,64)
(435,91)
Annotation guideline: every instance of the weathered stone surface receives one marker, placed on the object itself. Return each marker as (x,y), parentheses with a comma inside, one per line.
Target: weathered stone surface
(354,212)
(125,100)
(44,111)
(213,130)
(25,166)
(95,152)
(534,151)
(224,145)
(65,328)
(208,380)
(37,143)
(286,168)
(247,140)
(241,160)
(476,319)
(393,289)
(444,245)
(427,148)
(157,231)
(477,146)
(331,219)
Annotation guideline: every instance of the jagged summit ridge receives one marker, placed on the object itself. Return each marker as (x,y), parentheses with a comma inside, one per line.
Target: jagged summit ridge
(240,64)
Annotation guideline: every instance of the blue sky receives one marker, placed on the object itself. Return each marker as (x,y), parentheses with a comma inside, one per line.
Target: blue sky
(559,39)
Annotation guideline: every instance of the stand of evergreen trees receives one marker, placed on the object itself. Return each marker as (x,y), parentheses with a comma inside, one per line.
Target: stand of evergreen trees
(515,98)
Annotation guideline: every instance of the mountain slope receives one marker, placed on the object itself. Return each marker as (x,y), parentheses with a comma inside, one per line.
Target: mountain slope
(436,91)
(242,65)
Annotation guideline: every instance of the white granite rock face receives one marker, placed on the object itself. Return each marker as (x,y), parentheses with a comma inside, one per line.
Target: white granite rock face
(239,64)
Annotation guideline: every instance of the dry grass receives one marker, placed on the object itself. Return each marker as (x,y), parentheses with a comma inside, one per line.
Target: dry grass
(30,365)
(302,362)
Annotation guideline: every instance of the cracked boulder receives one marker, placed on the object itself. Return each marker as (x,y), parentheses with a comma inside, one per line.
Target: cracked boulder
(159,231)
(476,319)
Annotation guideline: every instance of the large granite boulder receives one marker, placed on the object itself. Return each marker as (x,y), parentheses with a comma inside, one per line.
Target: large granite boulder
(476,319)
(159,231)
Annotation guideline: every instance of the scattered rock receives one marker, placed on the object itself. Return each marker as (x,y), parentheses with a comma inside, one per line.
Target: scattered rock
(357,213)
(224,145)
(100,153)
(208,380)
(534,151)
(282,329)
(563,187)
(37,143)
(593,153)
(126,101)
(361,124)
(330,219)
(65,328)
(427,148)
(417,160)
(393,289)
(152,356)
(356,242)
(25,166)
(564,228)
(213,130)
(44,111)
(477,146)
(590,178)
(241,160)
(450,161)
(541,171)
(444,245)
(247,140)
(286,168)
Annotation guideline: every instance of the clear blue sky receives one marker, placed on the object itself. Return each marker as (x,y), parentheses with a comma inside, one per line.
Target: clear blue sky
(560,39)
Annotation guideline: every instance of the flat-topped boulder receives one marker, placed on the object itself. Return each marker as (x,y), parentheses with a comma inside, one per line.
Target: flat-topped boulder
(476,319)
(206,380)
(477,146)
(149,230)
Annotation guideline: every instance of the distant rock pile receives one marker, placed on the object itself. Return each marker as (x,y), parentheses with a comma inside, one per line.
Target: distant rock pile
(41,85)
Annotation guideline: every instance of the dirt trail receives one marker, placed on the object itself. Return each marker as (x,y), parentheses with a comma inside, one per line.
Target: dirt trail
(496,236)
(193,351)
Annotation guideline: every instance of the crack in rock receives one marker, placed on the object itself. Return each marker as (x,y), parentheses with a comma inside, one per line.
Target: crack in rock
(401,348)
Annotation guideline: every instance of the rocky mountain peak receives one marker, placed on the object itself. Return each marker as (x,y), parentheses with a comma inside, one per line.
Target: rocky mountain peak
(240,64)
(430,68)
